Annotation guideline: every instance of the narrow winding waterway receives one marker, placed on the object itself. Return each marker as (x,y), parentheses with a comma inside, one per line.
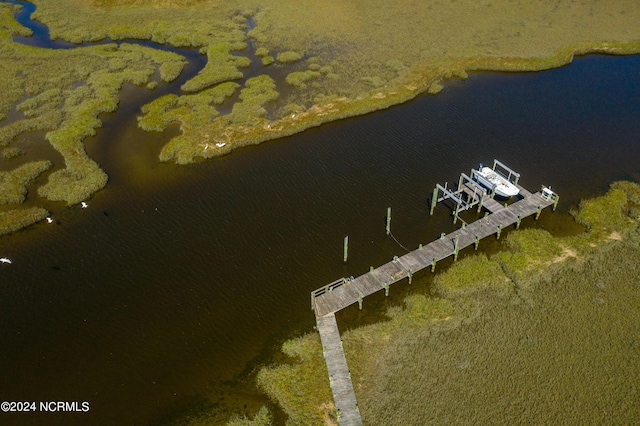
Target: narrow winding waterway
(177,281)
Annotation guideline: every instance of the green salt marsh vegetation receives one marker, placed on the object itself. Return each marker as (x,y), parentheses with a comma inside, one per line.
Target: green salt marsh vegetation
(335,58)
(206,415)
(12,152)
(288,57)
(369,58)
(544,331)
(13,184)
(262,418)
(19,218)
(62,93)
(220,67)
(65,98)
(194,113)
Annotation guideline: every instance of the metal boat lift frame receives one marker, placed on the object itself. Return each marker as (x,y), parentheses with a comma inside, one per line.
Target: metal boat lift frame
(509,172)
(463,197)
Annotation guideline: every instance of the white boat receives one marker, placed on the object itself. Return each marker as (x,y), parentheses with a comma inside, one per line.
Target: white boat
(494,181)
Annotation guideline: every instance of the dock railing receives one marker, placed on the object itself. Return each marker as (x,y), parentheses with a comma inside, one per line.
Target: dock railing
(547,194)
(326,289)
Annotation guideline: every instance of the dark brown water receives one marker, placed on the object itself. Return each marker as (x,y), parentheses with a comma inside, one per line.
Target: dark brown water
(176,281)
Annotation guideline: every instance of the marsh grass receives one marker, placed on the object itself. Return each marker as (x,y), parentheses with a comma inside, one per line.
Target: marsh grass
(13,152)
(170,64)
(9,26)
(484,349)
(221,66)
(301,385)
(207,412)
(205,133)
(371,58)
(611,216)
(256,94)
(631,189)
(262,51)
(472,274)
(65,98)
(518,362)
(604,213)
(288,57)
(77,182)
(262,418)
(267,60)
(16,219)
(367,60)
(13,184)
(531,249)
(299,79)
(193,112)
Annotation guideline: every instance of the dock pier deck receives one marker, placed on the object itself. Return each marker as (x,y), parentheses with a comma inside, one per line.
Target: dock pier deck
(339,376)
(328,300)
(345,292)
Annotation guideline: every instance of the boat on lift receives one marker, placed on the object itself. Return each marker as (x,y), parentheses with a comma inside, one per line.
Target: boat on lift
(496,182)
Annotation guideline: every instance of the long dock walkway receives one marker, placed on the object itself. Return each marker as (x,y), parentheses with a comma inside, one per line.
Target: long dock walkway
(339,375)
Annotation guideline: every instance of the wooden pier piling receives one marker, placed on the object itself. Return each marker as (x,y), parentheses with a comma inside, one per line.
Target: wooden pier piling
(388,220)
(346,249)
(455,249)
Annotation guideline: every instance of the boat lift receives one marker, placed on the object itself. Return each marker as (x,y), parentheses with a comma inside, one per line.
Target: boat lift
(469,193)
(505,172)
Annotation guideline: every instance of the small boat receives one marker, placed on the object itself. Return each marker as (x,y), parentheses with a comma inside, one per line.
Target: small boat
(4,260)
(494,181)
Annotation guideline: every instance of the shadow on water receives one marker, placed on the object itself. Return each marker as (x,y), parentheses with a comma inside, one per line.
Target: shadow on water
(177,281)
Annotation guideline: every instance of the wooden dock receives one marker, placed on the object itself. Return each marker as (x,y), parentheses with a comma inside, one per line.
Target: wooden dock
(345,292)
(333,297)
(339,375)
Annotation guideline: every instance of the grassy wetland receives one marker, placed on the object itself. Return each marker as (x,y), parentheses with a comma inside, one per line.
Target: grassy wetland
(341,60)
(544,331)
(294,66)
(62,93)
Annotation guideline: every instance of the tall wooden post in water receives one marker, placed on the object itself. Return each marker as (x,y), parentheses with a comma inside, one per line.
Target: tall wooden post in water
(434,200)
(388,220)
(346,249)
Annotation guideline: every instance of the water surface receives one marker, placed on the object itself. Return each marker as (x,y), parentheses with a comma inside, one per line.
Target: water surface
(177,281)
